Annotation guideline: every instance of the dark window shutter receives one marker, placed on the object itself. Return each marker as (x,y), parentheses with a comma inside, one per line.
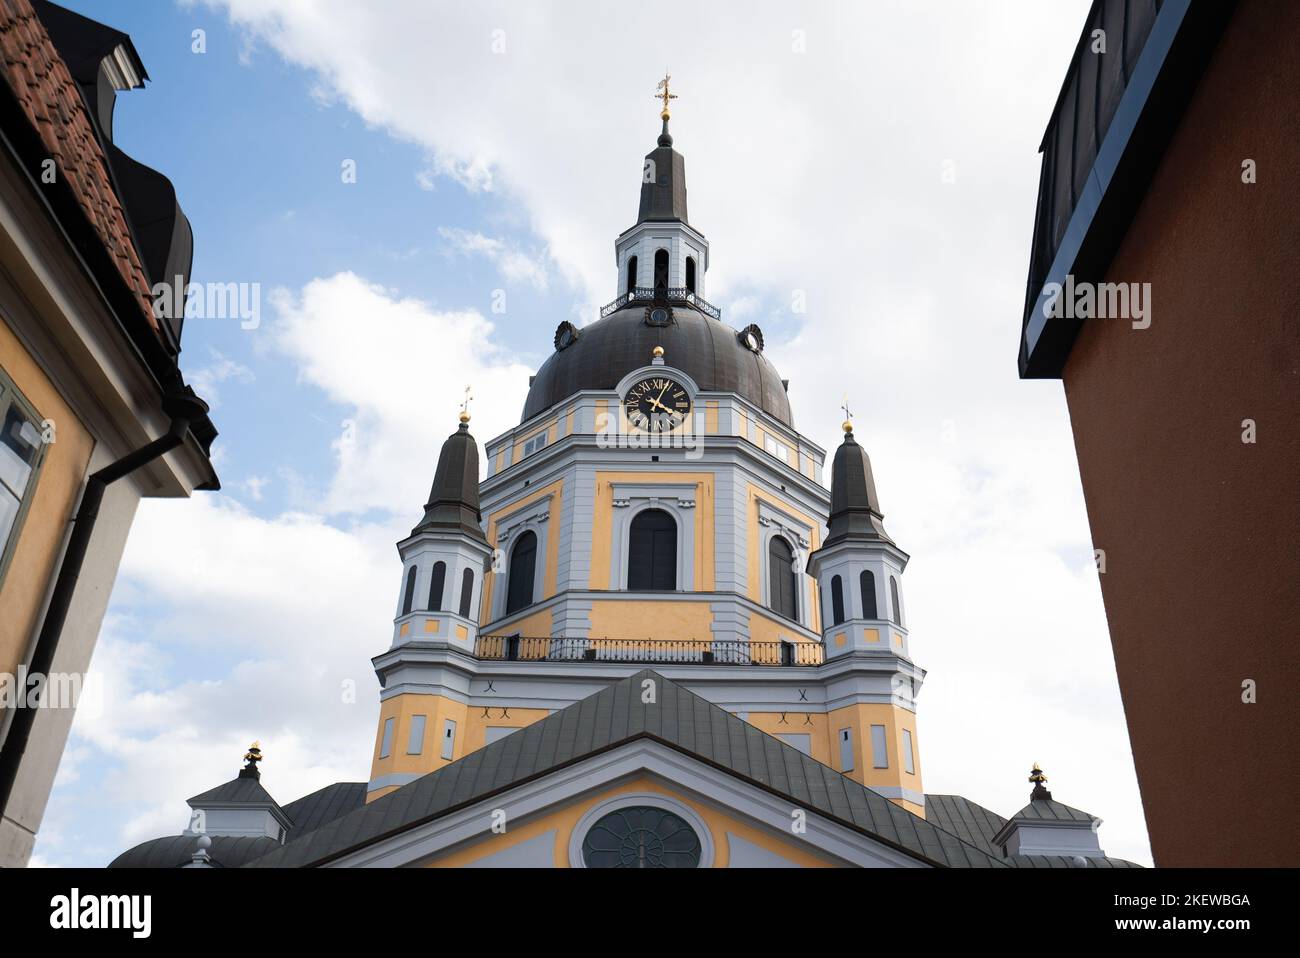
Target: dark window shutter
(437,582)
(652,552)
(523,565)
(867,583)
(466,592)
(408,597)
(781,578)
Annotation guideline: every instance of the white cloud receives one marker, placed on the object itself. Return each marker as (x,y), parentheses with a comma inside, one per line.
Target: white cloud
(515,265)
(398,368)
(206,380)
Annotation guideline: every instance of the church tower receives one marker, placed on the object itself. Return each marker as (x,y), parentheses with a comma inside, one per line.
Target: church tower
(443,562)
(655,507)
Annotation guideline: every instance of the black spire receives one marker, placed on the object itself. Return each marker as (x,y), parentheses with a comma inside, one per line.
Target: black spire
(453,500)
(855,507)
(663,178)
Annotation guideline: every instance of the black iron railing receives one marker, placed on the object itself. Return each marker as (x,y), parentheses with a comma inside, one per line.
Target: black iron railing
(673,294)
(520,648)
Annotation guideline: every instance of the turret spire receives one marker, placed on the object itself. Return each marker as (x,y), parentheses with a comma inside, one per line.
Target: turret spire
(453,500)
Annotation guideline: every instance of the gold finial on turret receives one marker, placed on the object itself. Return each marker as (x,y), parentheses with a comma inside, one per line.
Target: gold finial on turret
(253,755)
(848,416)
(1036,775)
(664,95)
(464,405)
(658,352)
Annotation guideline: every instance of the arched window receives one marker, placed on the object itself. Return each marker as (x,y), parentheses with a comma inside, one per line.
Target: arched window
(690,273)
(436,584)
(661,274)
(867,583)
(837,600)
(782,583)
(467,592)
(408,595)
(631,275)
(652,552)
(523,564)
(895,613)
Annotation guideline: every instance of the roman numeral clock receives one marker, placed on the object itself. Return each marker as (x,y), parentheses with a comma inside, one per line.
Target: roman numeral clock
(657,404)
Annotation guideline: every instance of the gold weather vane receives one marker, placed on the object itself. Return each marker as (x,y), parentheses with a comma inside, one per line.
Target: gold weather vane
(664,95)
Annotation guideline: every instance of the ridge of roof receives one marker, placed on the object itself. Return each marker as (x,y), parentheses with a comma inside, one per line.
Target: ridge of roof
(613,717)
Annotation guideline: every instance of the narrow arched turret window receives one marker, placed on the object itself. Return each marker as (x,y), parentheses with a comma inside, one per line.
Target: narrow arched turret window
(466,592)
(867,586)
(408,594)
(690,273)
(837,600)
(895,610)
(630,288)
(437,582)
(661,274)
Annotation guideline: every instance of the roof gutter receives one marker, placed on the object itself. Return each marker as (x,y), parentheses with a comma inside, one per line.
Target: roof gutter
(184,408)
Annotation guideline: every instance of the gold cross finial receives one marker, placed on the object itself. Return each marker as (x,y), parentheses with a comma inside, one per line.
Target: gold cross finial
(848,416)
(664,95)
(464,405)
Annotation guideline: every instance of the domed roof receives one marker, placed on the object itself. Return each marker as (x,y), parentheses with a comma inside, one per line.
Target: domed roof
(708,351)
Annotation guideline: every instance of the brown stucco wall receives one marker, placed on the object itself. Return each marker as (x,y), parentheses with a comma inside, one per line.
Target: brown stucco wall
(1201,532)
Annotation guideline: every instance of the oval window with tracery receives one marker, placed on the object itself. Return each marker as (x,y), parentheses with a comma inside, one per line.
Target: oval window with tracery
(641,837)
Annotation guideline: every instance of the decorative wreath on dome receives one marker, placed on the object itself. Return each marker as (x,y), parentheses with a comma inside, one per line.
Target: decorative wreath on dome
(751,337)
(566,334)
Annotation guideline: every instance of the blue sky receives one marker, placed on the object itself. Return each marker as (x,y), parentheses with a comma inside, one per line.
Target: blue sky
(879,159)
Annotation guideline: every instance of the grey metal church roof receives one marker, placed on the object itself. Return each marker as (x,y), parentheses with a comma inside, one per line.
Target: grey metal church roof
(242,790)
(612,717)
(970,822)
(707,350)
(324,805)
(173,851)
(1050,810)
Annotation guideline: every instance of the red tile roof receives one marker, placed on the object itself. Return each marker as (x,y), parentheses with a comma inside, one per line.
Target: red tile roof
(43,85)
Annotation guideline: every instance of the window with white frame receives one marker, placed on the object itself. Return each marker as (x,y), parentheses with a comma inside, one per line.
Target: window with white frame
(21,453)
(533,444)
(778,449)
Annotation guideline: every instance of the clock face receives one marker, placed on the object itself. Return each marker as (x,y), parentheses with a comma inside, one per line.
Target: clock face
(657,404)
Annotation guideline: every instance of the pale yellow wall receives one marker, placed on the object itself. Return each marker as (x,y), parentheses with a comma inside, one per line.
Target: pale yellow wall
(860,718)
(552,557)
(564,820)
(602,535)
(58,487)
(633,619)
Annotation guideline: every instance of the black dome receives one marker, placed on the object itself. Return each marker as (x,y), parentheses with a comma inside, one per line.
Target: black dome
(706,350)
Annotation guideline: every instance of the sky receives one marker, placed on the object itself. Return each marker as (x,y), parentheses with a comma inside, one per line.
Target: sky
(875,162)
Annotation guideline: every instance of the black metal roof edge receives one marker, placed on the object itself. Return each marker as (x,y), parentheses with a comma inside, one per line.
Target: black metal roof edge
(27,151)
(1177,50)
